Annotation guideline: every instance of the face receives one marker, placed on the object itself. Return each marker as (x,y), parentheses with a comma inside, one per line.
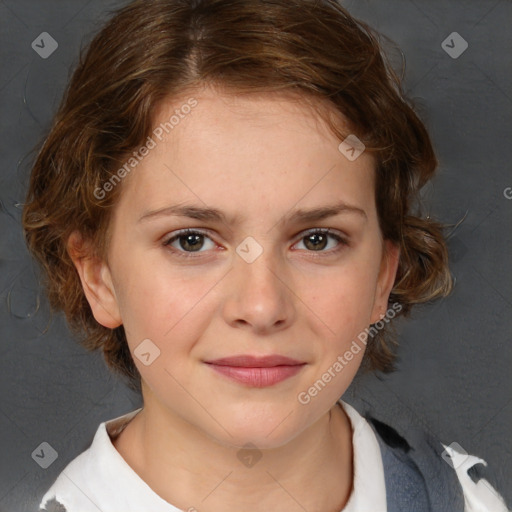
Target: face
(221,261)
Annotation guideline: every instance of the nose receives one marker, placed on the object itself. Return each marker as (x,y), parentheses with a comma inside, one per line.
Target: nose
(259,295)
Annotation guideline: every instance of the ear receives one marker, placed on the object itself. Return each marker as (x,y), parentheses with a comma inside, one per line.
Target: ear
(96,281)
(386,279)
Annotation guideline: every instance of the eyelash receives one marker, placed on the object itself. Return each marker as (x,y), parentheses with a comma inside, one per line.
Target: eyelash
(324,231)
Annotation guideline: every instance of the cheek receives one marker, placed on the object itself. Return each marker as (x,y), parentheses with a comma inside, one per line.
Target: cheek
(342,313)
(158,303)
(345,305)
(172,313)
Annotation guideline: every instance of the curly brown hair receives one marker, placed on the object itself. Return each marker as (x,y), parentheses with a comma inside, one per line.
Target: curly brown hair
(152,50)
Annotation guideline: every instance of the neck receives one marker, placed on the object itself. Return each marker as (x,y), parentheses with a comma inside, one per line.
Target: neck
(192,471)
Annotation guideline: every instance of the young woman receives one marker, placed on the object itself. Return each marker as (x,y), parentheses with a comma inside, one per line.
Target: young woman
(225,206)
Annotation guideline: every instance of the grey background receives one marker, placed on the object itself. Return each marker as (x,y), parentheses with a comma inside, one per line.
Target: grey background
(455,356)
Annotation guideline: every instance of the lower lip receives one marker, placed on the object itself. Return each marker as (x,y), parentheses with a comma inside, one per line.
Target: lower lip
(258,377)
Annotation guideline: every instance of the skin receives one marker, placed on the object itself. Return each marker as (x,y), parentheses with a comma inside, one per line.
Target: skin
(259,158)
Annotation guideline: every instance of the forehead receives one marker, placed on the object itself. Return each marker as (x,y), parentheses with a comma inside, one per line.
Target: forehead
(244,152)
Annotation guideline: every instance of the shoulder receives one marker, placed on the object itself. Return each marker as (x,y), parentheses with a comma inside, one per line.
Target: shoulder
(74,488)
(84,483)
(439,477)
(479,494)
(417,477)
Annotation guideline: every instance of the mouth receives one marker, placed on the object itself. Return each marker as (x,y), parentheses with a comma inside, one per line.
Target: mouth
(257,372)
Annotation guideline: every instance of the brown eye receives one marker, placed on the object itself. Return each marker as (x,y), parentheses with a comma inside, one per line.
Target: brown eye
(188,241)
(318,240)
(191,242)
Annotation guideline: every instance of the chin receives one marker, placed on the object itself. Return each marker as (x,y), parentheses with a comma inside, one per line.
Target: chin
(266,429)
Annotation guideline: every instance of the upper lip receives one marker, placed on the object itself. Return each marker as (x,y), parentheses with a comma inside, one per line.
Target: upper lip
(248,361)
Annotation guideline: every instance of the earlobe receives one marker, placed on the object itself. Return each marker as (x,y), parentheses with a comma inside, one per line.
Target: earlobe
(96,281)
(386,280)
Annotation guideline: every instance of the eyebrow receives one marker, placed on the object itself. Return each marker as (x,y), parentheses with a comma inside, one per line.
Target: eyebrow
(325,212)
(215,215)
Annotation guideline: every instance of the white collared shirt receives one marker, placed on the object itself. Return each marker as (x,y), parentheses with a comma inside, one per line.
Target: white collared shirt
(100,480)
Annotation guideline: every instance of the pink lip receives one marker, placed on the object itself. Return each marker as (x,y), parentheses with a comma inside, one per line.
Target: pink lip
(258,372)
